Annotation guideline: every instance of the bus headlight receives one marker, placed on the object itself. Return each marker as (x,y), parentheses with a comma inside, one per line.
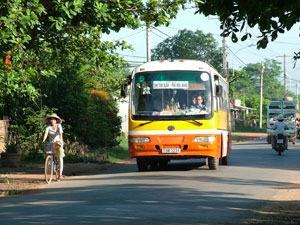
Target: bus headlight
(139,140)
(209,139)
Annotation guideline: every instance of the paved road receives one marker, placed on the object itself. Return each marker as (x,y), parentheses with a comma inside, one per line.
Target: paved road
(184,194)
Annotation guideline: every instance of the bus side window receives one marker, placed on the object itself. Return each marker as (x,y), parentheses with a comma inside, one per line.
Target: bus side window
(216,98)
(222,96)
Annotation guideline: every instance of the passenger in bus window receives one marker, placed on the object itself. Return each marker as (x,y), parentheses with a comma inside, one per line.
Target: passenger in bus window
(194,100)
(199,103)
(166,110)
(174,104)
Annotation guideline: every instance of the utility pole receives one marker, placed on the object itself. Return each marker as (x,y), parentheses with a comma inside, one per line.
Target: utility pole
(148,42)
(297,106)
(284,74)
(225,72)
(261,94)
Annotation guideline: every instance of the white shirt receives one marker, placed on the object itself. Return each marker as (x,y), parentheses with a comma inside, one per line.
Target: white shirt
(279,127)
(53,135)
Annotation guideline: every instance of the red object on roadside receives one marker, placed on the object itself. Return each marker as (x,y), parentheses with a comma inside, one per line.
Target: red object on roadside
(8,61)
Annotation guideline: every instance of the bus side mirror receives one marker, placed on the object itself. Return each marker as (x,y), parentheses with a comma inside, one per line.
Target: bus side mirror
(124,85)
(123,90)
(219,91)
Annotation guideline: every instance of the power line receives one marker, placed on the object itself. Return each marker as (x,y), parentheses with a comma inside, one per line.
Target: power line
(253,53)
(128,36)
(133,56)
(183,47)
(286,43)
(237,57)
(273,52)
(293,79)
(158,35)
(174,28)
(133,61)
(162,32)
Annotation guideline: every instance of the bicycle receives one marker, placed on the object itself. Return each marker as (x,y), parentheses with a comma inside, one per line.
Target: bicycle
(51,166)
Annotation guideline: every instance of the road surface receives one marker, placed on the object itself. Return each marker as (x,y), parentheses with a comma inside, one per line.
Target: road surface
(186,193)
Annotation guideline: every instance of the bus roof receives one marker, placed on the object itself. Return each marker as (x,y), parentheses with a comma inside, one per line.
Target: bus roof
(178,64)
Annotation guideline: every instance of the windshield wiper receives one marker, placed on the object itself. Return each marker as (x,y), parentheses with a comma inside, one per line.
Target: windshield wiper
(145,123)
(189,120)
(194,121)
(185,118)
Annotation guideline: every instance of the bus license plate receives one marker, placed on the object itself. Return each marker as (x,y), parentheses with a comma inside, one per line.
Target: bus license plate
(280,141)
(171,150)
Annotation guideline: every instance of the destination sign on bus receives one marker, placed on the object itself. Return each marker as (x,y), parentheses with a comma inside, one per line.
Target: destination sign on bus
(171,85)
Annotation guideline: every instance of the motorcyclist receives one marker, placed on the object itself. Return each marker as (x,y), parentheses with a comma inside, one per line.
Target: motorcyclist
(298,127)
(279,127)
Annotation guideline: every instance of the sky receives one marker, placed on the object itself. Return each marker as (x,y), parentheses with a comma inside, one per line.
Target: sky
(239,54)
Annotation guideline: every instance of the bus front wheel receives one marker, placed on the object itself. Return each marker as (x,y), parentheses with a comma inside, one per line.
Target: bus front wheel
(142,164)
(213,163)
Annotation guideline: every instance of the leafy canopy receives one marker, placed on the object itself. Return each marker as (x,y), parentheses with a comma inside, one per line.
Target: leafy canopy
(187,44)
(246,86)
(58,58)
(272,17)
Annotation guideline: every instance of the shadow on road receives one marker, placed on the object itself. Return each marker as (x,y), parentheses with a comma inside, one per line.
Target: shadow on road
(200,179)
(138,204)
(119,195)
(130,167)
(262,156)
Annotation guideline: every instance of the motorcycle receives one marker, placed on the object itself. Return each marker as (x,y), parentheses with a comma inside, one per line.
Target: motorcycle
(280,144)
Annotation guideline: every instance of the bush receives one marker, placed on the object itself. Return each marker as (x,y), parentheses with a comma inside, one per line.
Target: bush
(12,142)
(249,129)
(90,120)
(31,132)
(103,124)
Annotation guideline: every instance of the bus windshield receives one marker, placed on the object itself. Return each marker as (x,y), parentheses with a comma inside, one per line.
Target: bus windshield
(171,94)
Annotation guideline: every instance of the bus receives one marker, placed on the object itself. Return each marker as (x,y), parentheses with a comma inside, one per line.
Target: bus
(178,110)
(286,107)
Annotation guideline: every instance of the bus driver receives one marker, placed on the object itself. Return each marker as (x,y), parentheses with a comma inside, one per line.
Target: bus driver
(199,103)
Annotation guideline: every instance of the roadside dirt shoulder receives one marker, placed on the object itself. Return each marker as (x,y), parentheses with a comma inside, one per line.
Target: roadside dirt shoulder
(30,178)
(282,209)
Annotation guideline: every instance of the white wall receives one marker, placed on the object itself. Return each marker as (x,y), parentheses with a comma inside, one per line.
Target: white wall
(123,113)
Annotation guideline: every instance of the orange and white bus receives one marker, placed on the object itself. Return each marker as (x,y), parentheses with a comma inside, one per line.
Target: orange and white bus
(178,110)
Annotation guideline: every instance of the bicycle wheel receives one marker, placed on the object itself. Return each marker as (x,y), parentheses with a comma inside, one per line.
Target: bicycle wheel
(49,168)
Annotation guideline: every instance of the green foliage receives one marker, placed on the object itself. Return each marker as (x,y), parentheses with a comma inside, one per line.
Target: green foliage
(249,129)
(31,132)
(190,45)
(16,93)
(58,59)
(246,85)
(247,80)
(102,125)
(12,147)
(270,17)
(119,152)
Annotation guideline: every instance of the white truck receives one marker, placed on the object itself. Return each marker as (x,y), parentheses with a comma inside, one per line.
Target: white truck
(288,109)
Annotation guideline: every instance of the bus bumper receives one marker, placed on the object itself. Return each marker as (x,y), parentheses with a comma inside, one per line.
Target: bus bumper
(175,146)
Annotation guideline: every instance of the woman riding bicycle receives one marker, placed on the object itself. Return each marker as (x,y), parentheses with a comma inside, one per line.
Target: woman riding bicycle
(53,138)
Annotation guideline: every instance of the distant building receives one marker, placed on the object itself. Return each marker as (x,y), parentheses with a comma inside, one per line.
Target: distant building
(123,113)
(239,113)
(3,133)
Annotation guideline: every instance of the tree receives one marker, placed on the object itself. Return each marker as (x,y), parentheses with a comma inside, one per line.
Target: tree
(187,44)
(246,86)
(271,17)
(272,86)
(58,57)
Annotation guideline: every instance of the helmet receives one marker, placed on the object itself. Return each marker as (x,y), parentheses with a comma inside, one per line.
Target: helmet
(280,117)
